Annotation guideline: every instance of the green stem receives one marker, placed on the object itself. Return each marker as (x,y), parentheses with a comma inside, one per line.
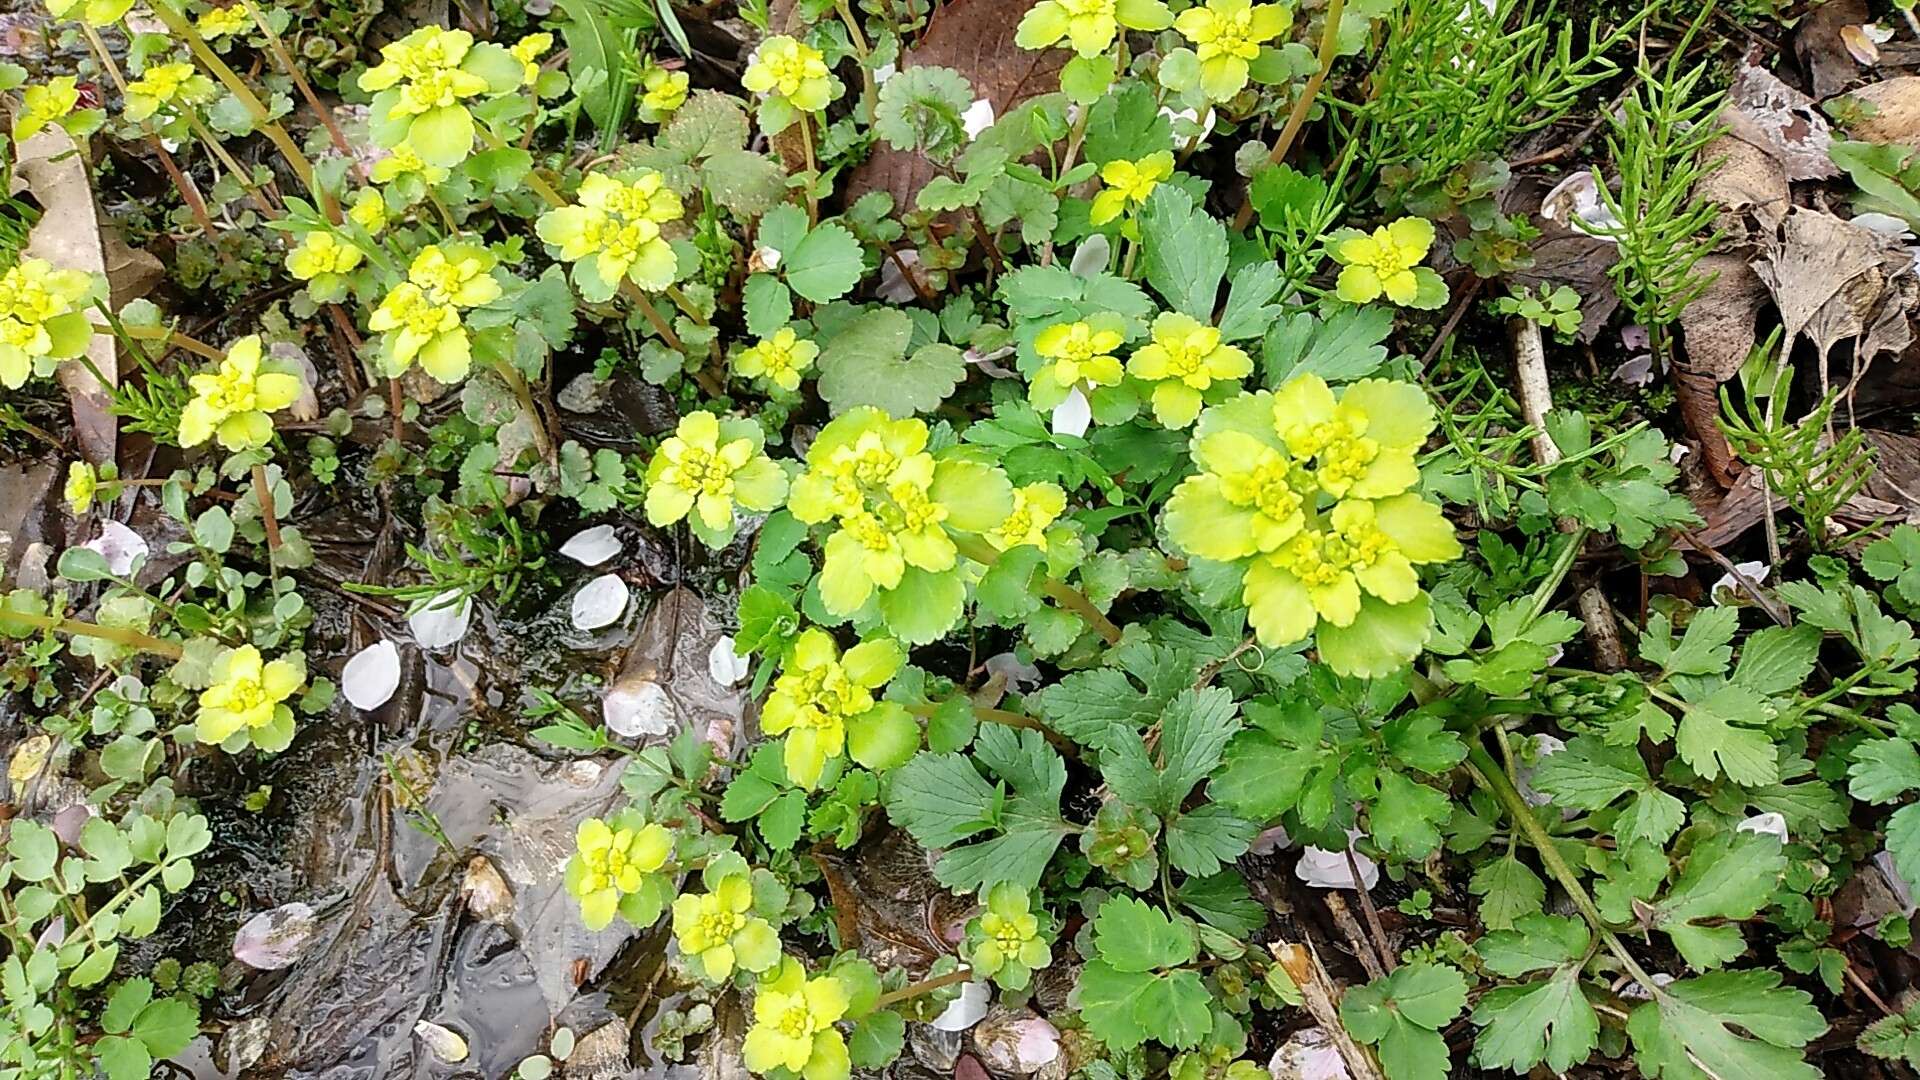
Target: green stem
(1562,566)
(183,29)
(1489,774)
(869,90)
(977,549)
(924,986)
(1329,51)
(119,635)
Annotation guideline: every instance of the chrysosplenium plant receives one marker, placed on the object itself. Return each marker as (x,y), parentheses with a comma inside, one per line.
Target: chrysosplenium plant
(1079,533)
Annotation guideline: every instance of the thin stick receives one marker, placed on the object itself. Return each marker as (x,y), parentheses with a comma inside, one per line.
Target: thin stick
(1373,915)
(279,50)
(263,493)
(188,193)
(262,119)
(1536,400)
(924,986)
(119,635)
(1329,47)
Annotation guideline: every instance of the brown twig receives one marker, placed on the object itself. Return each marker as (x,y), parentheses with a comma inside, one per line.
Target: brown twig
(1321,997)
(1373,915)
(1535,396)
(1329,49)
(1467,293)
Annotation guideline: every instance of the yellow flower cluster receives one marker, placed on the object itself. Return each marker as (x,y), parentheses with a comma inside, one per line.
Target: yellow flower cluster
(232,402)
(1074,354)
(780,359)
(894,506)
(323,261)
(422,83)
(246,705)
(792,80)
(821,697)
(1312,495)
(707,468)
(1386,263)
(42,318)
(421,316)
(613,233)
(219,22)
(718,932)
(793,1018)
(45,103)
(1087,26)
(1128,183)
(177,85)
(615,869)
(1226,37)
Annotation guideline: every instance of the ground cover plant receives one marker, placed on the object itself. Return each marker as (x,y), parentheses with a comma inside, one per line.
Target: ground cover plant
(1077,538)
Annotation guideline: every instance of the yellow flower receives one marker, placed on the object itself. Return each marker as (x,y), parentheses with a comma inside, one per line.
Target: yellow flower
(897,508)
(1185,358)
(706,468)
(218,22)
(43,104)
(662,93)
(323,261)
(614,233)
(1128,183)
(246,699)
(1076,354)
(83,482)
(1320,573)
(97,13)
(613,869)
(820,693)
(1035,507)
(41,318)
(792,71)
(369,211)
(528,50)
(421,316)
(779,359)
(1005,942)
(403,161)
(421,84)
(166,84)
(1311,493)
(718,932)
(793,1018)
(1227,35)
(232,401)
(1386,262)
(1088,26)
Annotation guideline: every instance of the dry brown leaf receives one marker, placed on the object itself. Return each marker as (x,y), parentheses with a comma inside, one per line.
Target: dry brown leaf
(1889,112)
(1896,473)
(1717,329)
(975,38)
(51,168)
(1823,51)
(1744,178)
(1833,281)
(1781,121)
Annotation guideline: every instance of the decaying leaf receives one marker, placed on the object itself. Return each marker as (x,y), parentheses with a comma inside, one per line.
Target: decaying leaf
(1781,121)
(1745,180)
(1823,52)
(1718,328)
(52,170)
(1835,281)
(1888,112)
